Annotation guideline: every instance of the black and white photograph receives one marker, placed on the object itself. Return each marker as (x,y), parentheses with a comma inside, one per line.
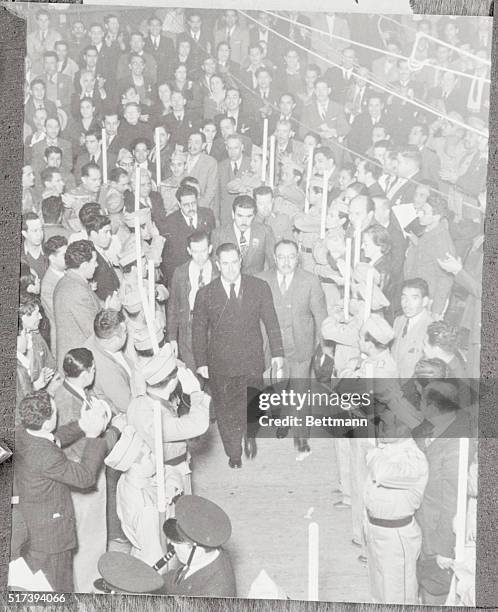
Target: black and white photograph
(249,317)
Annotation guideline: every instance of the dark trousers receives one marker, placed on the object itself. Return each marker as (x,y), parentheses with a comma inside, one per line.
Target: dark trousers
(230,404)
(57,567)
(114,530)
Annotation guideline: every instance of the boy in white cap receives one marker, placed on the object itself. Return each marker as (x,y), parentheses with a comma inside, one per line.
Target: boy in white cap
(136,498)
(162,375)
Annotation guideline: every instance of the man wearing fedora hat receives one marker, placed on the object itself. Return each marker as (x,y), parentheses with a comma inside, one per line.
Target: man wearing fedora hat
(198,532)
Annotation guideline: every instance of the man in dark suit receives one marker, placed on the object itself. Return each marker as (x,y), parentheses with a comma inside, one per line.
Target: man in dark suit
(408,169)
(52,139)
(161,48)
(38,100)
(179,225)
(180,123)
(228,345)
(440,406)
(44,477)
(255,240)
(431,164)
(325,118)
(219,146)
(243,121)
(360,137)
(92,153)
(199,37)
(188,278)
(237,163)
(341,79)
(98,229)
(59,87)
(137,44)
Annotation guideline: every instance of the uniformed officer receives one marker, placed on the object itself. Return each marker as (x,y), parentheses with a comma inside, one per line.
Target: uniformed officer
(376,362)
(122,573)
(198,533)
(397,476)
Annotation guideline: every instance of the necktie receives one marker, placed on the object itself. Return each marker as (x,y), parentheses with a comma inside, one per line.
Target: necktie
(235,169)
(233,296)
(228,36)
(405,328)
(243,244)
(322,112)
(283,285)
(200,282)
(191,222)
(43,36)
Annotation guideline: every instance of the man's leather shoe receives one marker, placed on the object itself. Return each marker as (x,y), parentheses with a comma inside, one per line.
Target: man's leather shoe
(235,463)
(250,448)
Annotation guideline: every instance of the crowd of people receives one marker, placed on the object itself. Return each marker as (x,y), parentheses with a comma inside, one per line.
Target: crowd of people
(212,197)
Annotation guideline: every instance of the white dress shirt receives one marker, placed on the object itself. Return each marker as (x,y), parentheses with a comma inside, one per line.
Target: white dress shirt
(226,286)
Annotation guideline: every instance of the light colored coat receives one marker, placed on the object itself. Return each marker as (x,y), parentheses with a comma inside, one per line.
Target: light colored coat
(408,350)
(205,171)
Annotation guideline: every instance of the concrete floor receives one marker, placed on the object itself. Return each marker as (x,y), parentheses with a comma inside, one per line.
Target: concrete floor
(267,501)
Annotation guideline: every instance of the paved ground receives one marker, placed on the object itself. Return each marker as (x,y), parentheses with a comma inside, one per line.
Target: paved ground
(267,501)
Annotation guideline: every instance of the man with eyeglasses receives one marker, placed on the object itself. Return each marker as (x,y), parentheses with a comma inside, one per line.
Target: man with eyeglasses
(300,305)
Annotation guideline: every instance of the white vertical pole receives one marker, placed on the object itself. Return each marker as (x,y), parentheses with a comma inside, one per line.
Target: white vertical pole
(313,561)
(265,150)
(104,156)
(347,279)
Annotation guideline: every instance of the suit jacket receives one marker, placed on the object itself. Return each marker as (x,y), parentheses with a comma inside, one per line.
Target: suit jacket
(95,97)
(62,90)
(431,165)
(206,172)
(198,49)
(44,477)
(407,350)
(301,331)
(163,56)
(339,83)
(225,199)
(334,118)
(112,382)
(405,193)
(180,130)
(48,284)
(179,319)
(244,123)
(239,42)
(360,136)
(176,231)
(75,308)
(29,111)
(259,255)
(439,505)
(421,261)
(227,337)
(106,278)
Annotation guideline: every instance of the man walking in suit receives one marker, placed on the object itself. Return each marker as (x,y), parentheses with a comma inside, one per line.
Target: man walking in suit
(228,169)
(204,168)
(179,225)
(410,327)
(187,280)
(300,304)
(255,241)
(228,345)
